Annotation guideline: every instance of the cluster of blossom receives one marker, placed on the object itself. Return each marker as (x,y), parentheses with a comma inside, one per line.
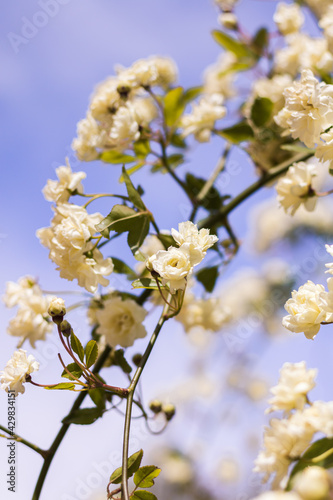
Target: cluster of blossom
(288,438)
(69,238)
(117,320)
(269,225)
(120,107)
(18,368)
(175,265)
(32,320)
(310,306)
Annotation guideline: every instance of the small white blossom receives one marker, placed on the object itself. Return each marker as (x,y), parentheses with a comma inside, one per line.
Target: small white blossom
(16,371)
(20,292)
(295,187)
(326,23)
(57,307)
(329,249)
(312,483)
(278,495)
(324,150)
(308,109)
(197,241)
(201,120)
(125,128)
(226,5)
(288,18)
(174,266)
(305,310)
(120,321)
(219,78)
(294,384)
(90,139)
(60,191)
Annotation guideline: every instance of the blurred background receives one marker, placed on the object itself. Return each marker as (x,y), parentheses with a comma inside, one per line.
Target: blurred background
(51,63)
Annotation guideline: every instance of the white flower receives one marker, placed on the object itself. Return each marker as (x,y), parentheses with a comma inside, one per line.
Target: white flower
(329,249)
(312,483)
(305,310)
(295,187)
(278,495)
(288,18)
(326,23)
(320,416)
(324,150)
(173,266)
(219,78)
(197,242)
(270,88)
(17,370)
(326,298)
(150,246)
(57,307)
(60,191)
(308,109)
(120,321)
(90,138)
(201,120)
(125,128)
(68,240)
(294,384)
(226,5)
(20,292)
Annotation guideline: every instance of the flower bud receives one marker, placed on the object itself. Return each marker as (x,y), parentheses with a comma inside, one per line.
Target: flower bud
(57,310)
(155,406)
(169,411)
(228,20)
(313,483)
(65,328)
(137,358)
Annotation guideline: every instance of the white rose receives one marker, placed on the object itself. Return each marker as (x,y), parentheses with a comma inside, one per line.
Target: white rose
(295,188)
(197,241)
(120,321)
(173,266)
(313,483)
(288,18)
(305,310)
(16,371)
(59,191)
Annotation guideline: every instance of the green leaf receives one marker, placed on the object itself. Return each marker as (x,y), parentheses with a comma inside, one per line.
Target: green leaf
(167,240)
(297,148)
(237,133)
(317,449)
(177,141)
(146,283)
(191,94)
(62,386)
(132,169)
(175,159)
(138,233)
(208,276)
(212,200)
(91,353)
(142,148)
(174,106)
(144,477)
(121,267)
(260,41)
(134,462)
(231,44)
(261,111)
(115,157)
(132,192)
(74,369)
(83,416)
(98,397)
(120,360)
(77,346)
(143,495)
(120,219)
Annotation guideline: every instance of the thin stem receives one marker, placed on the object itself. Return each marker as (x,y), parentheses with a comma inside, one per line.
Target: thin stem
(214,219)
(131,389)
(96,196)
(20,439)
(64,428)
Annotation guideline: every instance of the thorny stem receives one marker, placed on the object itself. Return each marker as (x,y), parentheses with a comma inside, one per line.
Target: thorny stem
(131,389)
(19,439)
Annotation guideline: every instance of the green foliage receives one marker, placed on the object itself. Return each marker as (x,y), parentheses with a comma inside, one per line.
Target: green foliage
(143,495)
(138,233)
(237,133)
(177,141)
(115,157)
(144,477)
(146,283)
(74,369)
(119,359)
(261,111)
(132,170)
(83,416)
(260,41)
(312,456)
(134,462)
(208,276)
(62,386)
(142,148)
(121,267)
(98,396)
(77,346)
(297,148)
(91,353)
(133,193)
(212,200)
(174,106)
(241,50)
